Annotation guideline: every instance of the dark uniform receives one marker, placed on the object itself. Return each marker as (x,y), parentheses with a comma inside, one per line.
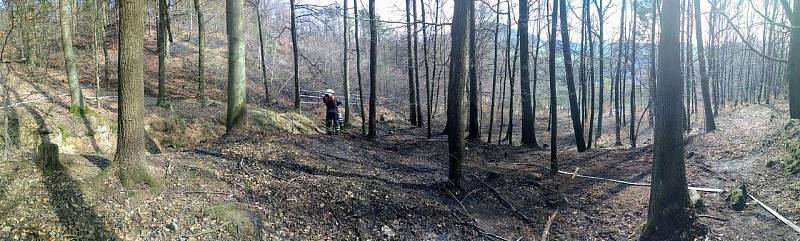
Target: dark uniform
(331,114)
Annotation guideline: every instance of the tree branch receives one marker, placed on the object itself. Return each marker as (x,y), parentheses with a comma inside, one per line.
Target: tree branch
(750,46)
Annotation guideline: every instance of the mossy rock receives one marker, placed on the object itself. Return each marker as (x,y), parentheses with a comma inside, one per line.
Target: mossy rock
(737,197)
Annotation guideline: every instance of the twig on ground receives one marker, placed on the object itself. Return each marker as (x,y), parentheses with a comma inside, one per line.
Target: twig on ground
(712,217)
(506,202)
(473,221)
(549,224)
(205,192)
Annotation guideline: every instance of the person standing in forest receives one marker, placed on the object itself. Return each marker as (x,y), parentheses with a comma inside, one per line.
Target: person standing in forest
(331,112)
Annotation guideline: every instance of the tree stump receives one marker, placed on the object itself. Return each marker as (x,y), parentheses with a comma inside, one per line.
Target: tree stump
(48,157)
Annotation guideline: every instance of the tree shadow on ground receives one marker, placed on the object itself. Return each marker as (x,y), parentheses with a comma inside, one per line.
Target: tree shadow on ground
(74,214)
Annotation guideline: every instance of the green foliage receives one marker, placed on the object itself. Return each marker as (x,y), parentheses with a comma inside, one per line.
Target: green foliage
(791,160)
(737,198)
(230,213)
(131,175)
(78,110)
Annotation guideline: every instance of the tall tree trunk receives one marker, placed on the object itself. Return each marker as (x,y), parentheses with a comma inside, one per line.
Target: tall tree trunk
(653,79)
(416,69)
(632,130)
(373,68)
(709,114)
(601,79)
(201,53)
(511,71)
(358,70)
(76,95)
(427,72)
(553,107)
(573,100)
(345,68)
(295,54)
(130,117)
(455,95)
(794,64)
(494,71)
(261,43)
(412,105)
(620,62)
(473,126)
(161,37)
(96,50)
(668,216)
(237,85)
(528,113)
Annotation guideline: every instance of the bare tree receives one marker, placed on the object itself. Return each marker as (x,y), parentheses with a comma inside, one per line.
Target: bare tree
(455,96)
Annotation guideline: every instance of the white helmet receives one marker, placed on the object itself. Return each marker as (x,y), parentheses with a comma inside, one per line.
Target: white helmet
(329,92)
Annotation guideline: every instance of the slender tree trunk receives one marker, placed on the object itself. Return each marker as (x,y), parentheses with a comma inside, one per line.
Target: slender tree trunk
(412,106)
(345,68)
(619,77)
(295,54)
(668,216)
(237,85)
(201,52)
(474,90)
(494,71)
(573,100)
(130,117)
(373,68)
(358,70)
(76,95)
(96,51)
(427,72)
(632,130)
(263,61)
(601,79)
(709,114)
(553,111)
(161,36)
(653,80)
(455,96)
(417,101)
(511,71)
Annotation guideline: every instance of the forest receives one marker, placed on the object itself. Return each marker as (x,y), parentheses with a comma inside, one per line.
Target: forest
(400,120)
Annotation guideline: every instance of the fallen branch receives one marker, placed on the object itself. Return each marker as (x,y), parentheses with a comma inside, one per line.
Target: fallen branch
(712,217)
(776,214)
(473,222)
(548,224)
(506,202)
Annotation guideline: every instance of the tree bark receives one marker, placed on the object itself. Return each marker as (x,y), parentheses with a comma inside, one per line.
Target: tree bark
(794,64)
(455,96)
(601,79)
(553,106)
(345,68)
(707,108)
(373,68)
(201,52)
(494,71)
(295,54)
(668,215)
(76,95)
(161,40)
(528,113)
(474,89)
(573,100)
(632,130)
(237,85)
(130,117)
(358,70)
(412,99)
(261,43)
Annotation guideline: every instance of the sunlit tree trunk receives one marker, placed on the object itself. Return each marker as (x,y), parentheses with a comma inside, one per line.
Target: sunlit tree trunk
(345,68)
(237,85)
(130,153)
(161,41)
(76,95)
